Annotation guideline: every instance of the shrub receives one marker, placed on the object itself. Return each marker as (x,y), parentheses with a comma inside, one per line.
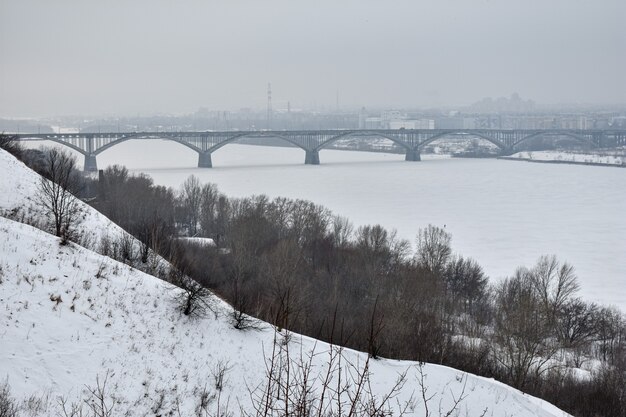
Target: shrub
(8,407)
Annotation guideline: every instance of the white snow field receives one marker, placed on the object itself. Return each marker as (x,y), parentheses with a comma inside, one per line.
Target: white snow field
(69,318)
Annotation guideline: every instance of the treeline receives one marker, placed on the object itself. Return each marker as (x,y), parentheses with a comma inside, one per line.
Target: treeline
(296,265)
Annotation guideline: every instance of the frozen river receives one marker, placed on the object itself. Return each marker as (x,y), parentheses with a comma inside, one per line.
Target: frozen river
(504,214)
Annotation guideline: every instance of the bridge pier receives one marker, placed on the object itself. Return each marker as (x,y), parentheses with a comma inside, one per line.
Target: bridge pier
(204,160)
(312,158)
(91,165)
(507,152)
(413,155)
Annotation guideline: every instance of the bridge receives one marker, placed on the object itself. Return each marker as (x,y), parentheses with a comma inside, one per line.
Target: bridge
(311,142)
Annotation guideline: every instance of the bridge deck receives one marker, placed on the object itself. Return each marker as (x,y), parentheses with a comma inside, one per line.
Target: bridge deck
(312,141)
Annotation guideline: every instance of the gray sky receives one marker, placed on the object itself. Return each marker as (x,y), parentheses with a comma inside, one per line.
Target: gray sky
(147,56)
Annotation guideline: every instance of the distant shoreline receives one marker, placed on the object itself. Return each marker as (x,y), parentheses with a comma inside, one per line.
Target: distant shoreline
(554,161)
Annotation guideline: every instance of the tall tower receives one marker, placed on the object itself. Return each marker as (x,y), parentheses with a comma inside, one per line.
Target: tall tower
(269,106)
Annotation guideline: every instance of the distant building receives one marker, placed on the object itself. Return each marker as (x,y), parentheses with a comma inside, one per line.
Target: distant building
(425,124)
(469,123)
(401,124)
(456,123)
(372,123)
(391,115)
(618,122)
(362,118)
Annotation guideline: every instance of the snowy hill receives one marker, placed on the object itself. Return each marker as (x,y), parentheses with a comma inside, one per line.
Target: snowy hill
(20,201)
(69,316)
(71,319)
(19,191)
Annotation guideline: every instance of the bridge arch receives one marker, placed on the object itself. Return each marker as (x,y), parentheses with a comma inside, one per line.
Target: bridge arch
(364,133)
(578,138)
(432,139)
(204,159)
(258,135)
(144,136)
(56,140)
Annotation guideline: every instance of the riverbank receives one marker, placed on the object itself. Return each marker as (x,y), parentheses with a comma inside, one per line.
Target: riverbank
(559,157)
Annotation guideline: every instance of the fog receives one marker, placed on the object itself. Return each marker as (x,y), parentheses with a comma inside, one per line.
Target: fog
(145,56)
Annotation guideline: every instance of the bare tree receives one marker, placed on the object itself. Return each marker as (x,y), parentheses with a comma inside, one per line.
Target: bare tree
(209,200)
(466,283)
(426,398)
(341,231)
(56,191)
(97,402)
(523,347)
(281,266)
(295,386)
(575,322)
(8,405)
(240,301)
(10,144)
(193,298)
(433,248)
(376,326)
(191,197)
(374,238)
(611,334)
(554,283)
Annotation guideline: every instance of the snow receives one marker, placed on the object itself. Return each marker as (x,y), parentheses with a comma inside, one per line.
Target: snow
(70,317)
(115,319)
(19,191)
(570,157)
(202,241)
(65,130)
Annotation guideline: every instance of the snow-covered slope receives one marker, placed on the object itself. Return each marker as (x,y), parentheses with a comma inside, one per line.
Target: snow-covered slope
(69,318)
(19,191)
(20,200)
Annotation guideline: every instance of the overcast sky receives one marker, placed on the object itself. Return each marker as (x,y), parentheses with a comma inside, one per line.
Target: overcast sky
(60,57)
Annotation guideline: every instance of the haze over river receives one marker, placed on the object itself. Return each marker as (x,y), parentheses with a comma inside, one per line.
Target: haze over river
(504,214)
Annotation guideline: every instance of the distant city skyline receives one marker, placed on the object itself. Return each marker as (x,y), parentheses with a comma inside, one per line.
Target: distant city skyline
(149,57)
(485,106)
